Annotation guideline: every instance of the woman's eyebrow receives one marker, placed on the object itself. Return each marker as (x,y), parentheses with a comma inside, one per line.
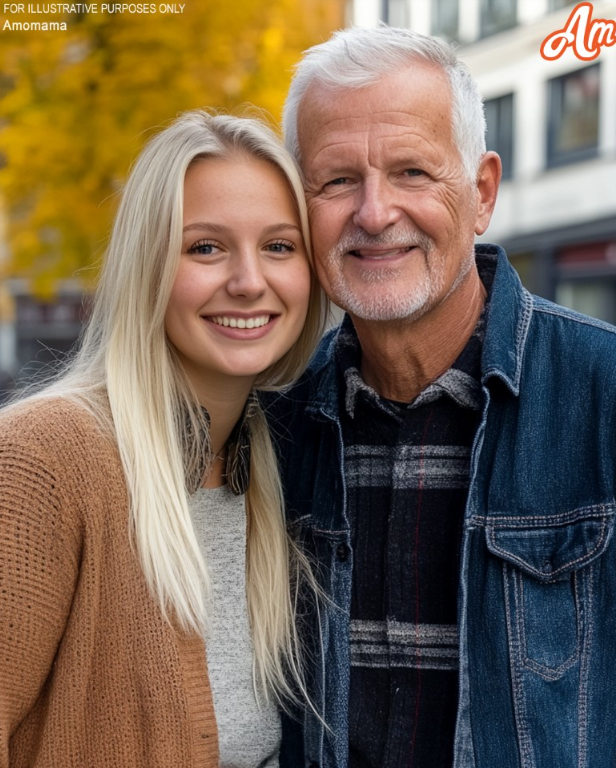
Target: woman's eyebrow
(205,225)
(272,229)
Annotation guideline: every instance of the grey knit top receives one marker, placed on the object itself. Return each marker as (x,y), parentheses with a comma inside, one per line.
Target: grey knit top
(248,730)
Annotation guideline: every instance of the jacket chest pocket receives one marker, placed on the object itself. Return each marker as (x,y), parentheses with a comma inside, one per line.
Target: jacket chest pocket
(548,573)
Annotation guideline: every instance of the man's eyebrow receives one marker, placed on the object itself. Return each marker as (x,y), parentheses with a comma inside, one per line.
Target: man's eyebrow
(221,229)
(336,170)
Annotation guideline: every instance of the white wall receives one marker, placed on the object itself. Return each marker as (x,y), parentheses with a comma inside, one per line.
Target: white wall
(536,198)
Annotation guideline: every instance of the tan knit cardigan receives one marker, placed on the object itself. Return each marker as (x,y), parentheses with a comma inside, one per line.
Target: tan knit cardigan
(91,675)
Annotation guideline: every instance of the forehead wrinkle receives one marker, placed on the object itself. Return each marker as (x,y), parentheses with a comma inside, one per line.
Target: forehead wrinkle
(346,134)
(395,120)
(343,131)
(329,107)
(399,146)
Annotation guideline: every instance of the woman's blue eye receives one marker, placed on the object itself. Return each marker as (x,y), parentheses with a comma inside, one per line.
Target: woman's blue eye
(281,246)
(202,247)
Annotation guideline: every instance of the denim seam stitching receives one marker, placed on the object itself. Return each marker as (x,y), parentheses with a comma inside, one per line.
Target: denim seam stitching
(585,668)
(522,333)
(330,532)
(599,324)
(585,558)
(542,670)
(519,698)
(595,510)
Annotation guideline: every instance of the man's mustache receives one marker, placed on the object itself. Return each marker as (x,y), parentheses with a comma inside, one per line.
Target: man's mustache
(404,237)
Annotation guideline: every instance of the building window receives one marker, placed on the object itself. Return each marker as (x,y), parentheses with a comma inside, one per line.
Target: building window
(499,135)
(596,298)
(586,278)
(573,125)
(394,13)
(524,265)
(445,19)
(497,15)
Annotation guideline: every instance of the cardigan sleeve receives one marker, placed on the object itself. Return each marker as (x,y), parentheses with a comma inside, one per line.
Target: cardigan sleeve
(39,560)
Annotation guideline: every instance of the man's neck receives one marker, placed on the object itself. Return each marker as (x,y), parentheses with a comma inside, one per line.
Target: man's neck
(400,359)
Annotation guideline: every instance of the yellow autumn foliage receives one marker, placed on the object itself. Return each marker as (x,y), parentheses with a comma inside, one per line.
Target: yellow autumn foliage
(77,105)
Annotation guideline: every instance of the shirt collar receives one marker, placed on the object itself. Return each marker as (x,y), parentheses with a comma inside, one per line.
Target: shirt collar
(461,382)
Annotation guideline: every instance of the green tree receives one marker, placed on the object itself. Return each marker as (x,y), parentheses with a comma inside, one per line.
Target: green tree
(76,106)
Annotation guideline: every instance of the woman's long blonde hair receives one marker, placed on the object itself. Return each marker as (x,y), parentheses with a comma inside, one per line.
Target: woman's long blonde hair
(128,375)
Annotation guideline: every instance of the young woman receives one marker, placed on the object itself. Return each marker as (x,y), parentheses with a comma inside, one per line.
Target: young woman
(146,612)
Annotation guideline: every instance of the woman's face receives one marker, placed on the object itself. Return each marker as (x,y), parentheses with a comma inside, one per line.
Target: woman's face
(240,295)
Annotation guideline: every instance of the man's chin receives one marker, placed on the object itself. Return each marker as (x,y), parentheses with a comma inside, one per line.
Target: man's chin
(383,309)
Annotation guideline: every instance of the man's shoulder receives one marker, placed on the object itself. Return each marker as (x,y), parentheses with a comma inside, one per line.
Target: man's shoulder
(573,330)
(565,349)
(579,320)
(324,355)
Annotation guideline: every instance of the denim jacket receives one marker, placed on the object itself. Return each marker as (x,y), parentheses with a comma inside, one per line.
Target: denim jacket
(537,588)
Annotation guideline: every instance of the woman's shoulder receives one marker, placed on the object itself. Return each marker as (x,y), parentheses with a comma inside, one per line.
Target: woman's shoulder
(58,463)
(53,429)
(41,415)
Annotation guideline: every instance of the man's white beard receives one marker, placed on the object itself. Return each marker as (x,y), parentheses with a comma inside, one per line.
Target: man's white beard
(393,302)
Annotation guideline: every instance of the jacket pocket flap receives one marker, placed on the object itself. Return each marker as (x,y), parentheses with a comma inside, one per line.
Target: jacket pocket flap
(551,552)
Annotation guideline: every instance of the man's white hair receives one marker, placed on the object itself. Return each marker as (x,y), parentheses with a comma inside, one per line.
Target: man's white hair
(358,56)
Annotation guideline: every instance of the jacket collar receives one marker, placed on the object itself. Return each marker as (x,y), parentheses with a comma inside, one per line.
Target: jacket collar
(323,372)
(507,324)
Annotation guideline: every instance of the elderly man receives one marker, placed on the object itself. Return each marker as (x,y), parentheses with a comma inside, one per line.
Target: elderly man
(448,459)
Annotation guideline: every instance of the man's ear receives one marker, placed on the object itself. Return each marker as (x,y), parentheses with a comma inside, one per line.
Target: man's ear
(488,179)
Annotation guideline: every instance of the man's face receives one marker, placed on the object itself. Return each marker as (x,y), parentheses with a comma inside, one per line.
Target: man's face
(393,214)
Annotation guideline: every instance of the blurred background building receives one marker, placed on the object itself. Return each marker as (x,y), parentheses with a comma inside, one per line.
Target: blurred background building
(553,124)
(75,108)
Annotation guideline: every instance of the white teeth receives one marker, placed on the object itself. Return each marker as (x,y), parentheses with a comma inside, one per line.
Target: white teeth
(383,254)
(240,322)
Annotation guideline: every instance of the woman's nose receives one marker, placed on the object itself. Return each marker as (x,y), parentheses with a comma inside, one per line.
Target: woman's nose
(247,279)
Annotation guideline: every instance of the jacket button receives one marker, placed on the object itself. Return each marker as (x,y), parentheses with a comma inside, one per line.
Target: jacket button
(342,553)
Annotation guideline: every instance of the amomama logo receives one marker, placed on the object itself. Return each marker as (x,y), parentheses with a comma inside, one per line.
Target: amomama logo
(586,36)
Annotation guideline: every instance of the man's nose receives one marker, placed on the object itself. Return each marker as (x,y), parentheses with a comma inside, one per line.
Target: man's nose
(377,206)
(246,278)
